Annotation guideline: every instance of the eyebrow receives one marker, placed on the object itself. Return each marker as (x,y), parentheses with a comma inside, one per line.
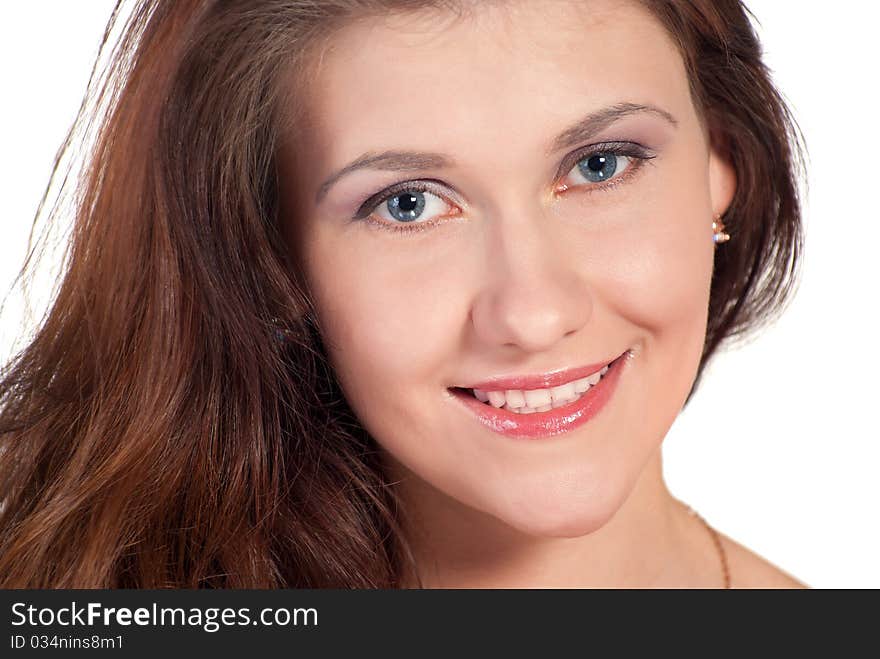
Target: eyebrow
(406,161)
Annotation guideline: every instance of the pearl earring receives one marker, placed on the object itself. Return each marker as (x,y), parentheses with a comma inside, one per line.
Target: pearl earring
(718,230)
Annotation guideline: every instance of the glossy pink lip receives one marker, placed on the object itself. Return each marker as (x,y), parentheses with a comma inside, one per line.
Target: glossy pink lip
(543,381)
(552,422)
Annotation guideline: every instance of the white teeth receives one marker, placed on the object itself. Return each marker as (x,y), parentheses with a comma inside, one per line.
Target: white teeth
(582,385)
(536,397)
(496,398)
(563,392)
(539,400)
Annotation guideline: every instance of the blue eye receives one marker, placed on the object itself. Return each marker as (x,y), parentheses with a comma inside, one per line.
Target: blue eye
(406,206)
(410,203)
(600,167)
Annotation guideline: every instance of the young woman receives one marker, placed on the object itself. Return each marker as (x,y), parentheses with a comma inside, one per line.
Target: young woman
(372,294)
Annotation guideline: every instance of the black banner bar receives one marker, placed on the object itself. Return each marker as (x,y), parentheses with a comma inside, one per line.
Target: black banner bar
(395,623)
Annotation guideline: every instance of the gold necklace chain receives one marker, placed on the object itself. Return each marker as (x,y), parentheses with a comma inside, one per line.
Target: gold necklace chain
(717,540)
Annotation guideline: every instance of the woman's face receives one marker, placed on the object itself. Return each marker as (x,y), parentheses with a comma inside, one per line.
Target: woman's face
(516,242)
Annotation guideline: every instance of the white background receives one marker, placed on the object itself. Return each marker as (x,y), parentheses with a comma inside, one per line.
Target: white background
(779,449)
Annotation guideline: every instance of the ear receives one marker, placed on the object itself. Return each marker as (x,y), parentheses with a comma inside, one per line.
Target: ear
(722,175)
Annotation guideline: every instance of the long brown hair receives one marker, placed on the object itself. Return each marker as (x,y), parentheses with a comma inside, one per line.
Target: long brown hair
(174,422)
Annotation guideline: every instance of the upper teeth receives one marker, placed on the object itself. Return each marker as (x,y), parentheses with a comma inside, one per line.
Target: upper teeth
(539,400)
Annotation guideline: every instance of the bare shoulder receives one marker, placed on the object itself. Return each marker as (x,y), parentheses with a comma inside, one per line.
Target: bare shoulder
(749,570)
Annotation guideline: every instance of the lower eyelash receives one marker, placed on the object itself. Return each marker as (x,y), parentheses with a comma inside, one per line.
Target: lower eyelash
(402,227)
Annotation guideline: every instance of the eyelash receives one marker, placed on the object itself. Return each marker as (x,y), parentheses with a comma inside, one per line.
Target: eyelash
(639,155)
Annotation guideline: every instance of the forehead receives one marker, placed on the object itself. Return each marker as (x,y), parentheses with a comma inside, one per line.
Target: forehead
(432,78)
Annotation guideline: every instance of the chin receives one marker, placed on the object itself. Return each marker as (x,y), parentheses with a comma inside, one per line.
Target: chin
(560,511)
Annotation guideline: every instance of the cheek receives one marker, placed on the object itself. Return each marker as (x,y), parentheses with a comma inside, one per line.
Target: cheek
(662,282)
(659,263)
(384,327)
(662,289)
(667,294)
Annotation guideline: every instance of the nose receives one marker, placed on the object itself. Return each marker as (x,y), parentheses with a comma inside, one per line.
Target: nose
(533,292)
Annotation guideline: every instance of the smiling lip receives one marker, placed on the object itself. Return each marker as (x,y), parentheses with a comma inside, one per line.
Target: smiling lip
(552,422)
(544,381)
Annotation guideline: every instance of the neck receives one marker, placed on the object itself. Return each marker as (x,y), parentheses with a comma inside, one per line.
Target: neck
(650,541)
